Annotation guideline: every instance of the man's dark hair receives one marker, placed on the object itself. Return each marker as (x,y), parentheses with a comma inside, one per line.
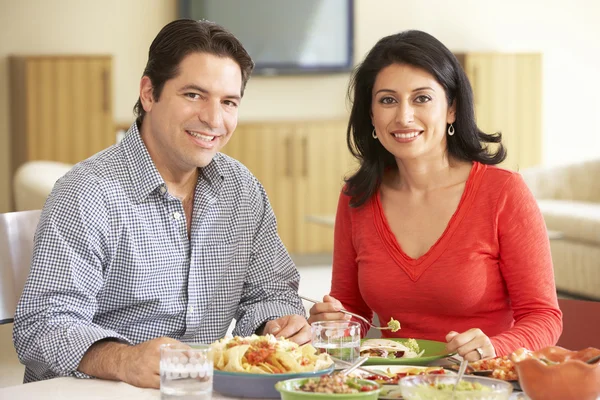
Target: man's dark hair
(180,38)
(421,50)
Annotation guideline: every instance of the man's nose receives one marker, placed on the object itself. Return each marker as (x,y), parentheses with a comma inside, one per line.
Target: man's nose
(211,114)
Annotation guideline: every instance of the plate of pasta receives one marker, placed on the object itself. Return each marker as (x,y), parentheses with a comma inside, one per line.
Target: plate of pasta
(251,366)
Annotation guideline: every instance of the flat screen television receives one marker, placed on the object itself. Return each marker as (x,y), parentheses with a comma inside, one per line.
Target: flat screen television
(285,37)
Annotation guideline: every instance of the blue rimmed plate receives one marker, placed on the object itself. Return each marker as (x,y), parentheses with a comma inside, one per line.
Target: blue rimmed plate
(240,384)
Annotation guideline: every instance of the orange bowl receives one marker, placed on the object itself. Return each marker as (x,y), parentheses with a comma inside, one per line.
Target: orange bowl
(558,373)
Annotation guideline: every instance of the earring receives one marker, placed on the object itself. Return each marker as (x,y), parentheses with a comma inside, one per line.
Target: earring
(451,130)
(374,134)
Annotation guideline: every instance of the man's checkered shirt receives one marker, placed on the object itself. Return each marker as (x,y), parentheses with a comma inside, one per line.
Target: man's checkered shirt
(112,259)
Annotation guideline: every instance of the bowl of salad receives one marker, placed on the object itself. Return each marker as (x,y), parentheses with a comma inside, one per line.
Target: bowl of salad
(432,387)
(334,386)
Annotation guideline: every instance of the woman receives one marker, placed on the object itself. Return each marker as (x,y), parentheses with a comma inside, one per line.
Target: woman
(428,231)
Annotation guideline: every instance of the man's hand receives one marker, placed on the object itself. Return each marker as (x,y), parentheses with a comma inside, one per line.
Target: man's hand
(137,365)
(293,327)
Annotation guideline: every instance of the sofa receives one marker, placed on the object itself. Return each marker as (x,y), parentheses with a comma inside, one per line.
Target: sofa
(569,198)
(33,182)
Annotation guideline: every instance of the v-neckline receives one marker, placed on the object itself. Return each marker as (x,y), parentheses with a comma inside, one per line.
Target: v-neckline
(414,267)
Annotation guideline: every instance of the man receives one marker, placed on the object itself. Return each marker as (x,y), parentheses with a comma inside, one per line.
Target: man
(160,238)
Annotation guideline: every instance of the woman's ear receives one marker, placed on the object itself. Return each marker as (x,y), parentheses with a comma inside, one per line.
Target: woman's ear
(146,93)
(451,114)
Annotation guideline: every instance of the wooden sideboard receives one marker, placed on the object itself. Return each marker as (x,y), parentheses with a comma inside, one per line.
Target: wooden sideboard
(61,107)
(302,165)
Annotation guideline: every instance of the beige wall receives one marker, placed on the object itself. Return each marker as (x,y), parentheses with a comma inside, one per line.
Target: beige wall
(566,33)
(123,28)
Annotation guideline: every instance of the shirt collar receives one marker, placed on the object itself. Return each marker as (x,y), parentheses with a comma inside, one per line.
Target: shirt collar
(146,179)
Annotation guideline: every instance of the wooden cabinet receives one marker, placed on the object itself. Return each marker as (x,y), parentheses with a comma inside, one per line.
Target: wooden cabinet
(61,107)
(302,166)
(507,90)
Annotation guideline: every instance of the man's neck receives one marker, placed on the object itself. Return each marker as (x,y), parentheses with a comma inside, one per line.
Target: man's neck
(181,185)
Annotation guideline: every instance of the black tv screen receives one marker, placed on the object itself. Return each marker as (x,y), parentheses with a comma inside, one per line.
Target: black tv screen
(285,36)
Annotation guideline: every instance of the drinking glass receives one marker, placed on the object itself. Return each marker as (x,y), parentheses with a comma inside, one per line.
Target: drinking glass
(339,339)
(186,371)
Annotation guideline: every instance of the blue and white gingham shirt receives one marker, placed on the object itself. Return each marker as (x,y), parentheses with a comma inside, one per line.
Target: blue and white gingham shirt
(112,259)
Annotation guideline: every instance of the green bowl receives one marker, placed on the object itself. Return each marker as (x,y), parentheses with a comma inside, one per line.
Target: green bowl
(288,390)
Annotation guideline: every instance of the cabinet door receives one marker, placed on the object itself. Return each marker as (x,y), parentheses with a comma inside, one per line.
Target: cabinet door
(322,163)
(266,149)
(507,95)
(69,115)
(62,107)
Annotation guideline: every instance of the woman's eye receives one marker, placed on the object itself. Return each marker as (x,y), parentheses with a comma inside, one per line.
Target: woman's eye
(423,99)
(387,100)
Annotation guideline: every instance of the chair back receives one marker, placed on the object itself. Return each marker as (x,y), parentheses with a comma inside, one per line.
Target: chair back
(16,248)
(581,324)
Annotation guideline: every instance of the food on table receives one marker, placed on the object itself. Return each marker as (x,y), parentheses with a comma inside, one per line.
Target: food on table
(501,367)
(463,386)
(266,355)
(392,349)
(392,378)
(335,383)
(393,325)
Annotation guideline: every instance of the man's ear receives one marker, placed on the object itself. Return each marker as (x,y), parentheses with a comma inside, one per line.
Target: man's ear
(451,114)
(146,96)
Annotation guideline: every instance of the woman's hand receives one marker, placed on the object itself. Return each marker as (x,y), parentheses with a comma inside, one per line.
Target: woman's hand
(473,345)
(328,310)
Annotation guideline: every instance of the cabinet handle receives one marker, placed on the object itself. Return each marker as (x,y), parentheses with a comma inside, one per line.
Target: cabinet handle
(305,157)
(288,157)
(105,90)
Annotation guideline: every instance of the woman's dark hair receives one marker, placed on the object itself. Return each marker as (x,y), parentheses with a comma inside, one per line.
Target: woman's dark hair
(181,37)
(421,50)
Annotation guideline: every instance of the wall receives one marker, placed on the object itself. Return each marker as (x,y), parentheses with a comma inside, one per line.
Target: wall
(565,32)
(123,28)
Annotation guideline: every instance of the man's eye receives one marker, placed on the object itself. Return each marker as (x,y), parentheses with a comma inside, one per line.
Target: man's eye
(230,103)
(193,96)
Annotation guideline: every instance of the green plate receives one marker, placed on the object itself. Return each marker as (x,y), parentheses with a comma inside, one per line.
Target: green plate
(433,351)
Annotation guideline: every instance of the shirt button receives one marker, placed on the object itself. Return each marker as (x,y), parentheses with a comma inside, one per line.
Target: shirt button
(191,309)
(163,189)
(176,215)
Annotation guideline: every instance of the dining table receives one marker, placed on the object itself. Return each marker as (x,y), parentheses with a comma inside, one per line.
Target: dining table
(98,389)
(67,388)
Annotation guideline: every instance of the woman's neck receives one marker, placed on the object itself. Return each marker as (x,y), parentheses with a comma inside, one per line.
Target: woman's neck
(425,175)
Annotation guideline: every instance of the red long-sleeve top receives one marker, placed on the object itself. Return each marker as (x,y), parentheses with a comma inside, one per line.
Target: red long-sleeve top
(491,268)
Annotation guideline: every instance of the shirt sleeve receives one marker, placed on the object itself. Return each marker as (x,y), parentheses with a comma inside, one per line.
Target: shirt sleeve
(526,265)
(54,321)
(344,277)
(270,290)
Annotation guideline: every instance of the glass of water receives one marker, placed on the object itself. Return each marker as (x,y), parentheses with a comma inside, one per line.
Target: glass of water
(186,371)
(339,339)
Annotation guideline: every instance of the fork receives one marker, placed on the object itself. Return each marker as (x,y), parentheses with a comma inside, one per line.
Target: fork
(381,328)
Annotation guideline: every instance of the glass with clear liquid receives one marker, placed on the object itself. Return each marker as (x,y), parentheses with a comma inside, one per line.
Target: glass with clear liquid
(186,372)
(340,339)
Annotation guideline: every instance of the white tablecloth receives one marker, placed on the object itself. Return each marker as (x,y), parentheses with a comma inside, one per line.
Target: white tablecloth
(88,389)
(94,389)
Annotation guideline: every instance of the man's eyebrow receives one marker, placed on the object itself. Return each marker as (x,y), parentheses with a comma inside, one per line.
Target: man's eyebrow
(202,90)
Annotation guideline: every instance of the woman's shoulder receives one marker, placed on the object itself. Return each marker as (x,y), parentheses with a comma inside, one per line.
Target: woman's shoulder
(495,176)
(501,182)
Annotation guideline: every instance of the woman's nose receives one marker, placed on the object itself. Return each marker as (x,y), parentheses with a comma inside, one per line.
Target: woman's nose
(404,114)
